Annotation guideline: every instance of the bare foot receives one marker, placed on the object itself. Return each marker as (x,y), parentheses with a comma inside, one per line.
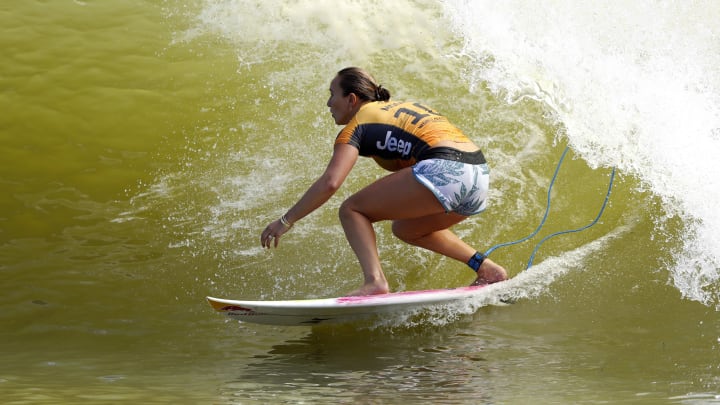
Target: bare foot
(370,289)
(490,272)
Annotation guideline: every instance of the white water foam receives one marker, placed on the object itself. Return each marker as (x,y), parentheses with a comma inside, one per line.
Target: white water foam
(325,30)
(636,85)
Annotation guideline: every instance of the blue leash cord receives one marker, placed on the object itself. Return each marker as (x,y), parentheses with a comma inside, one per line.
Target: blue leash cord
(547,211)
(607,197)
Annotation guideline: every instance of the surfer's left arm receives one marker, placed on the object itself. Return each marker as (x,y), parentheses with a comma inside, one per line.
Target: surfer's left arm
(340,165)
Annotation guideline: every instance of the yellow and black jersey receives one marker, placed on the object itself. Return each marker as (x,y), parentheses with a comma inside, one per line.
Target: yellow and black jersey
(397,134)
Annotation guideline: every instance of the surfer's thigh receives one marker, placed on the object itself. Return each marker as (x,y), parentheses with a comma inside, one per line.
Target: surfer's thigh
(396,196)
(411,229)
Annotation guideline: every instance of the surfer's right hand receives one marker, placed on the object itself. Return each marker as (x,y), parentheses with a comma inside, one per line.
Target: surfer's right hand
(273,232)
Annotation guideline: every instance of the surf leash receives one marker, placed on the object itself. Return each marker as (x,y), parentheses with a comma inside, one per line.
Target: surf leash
(547,211)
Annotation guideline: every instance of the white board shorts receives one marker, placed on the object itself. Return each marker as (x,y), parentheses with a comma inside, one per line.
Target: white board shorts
(460,187)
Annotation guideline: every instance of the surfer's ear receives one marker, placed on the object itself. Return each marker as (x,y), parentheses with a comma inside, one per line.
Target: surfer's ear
(354,99)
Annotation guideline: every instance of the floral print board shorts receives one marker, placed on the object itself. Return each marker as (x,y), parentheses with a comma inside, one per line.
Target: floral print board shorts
(460,187)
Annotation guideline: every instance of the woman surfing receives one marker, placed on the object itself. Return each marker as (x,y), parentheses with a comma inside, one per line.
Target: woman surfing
(439,178)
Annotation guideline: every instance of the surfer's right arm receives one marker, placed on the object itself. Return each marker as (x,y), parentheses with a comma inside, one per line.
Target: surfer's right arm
(341,163)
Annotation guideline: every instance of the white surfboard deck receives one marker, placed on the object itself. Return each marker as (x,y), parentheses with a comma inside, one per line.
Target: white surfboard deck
(336,310)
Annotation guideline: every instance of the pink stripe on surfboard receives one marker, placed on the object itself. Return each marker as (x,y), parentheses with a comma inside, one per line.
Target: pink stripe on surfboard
(379,297)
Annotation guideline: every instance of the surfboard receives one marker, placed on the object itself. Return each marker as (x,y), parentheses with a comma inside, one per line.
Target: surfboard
(336,310)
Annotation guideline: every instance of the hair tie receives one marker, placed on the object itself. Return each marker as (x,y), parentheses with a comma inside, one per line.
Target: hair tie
(377,92)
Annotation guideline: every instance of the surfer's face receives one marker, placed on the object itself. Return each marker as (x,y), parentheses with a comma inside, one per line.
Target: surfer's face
(342,107)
